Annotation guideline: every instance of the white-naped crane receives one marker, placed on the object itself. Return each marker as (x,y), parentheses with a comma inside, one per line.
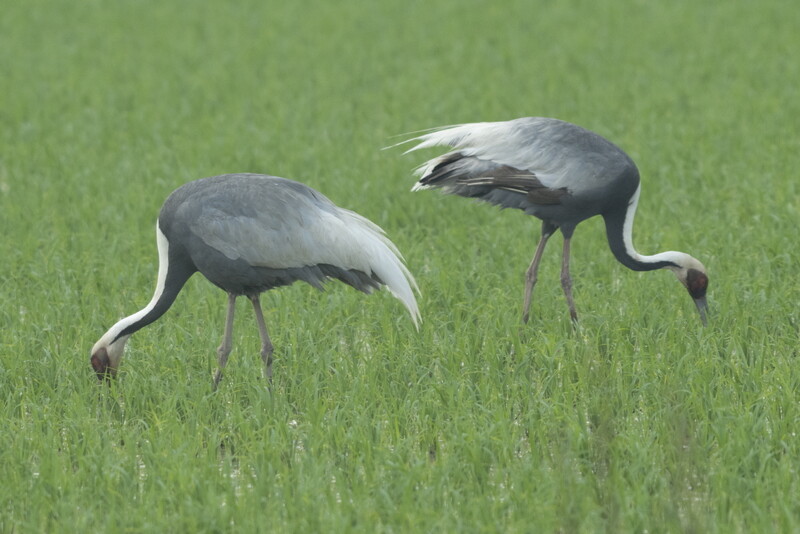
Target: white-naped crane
(560,173)
(248,233)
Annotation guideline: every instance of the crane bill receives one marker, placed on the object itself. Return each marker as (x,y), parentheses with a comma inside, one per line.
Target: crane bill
(702,307)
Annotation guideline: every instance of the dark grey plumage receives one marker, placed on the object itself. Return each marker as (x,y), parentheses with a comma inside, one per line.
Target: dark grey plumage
(560,173)
(249,233)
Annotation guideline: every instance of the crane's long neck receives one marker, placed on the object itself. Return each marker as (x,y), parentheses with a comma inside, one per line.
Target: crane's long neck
(172,275)
(619,230)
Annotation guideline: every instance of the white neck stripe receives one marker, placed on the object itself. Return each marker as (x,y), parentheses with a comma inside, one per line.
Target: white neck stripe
(676,258)
(627,228)
(163,265)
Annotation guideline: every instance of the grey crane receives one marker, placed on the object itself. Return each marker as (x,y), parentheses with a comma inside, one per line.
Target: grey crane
(248,233)
(560,173)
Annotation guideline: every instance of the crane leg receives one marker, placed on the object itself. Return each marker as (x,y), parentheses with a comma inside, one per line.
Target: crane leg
(532,274)
(566,279)
(227,340)
(266,345)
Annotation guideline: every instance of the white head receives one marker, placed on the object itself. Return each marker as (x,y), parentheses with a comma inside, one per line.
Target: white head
(107,353)
(692,274)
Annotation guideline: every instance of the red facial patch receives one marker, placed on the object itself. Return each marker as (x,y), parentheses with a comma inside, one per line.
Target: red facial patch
(100,363)
(696,283)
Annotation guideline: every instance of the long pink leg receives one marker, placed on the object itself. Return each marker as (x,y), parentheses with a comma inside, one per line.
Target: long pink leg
(566,280)
(532,273)
(227,340)
(266,345)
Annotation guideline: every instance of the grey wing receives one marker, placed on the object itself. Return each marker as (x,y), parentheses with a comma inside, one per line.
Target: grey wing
(296,231)
(510,144)
(288,225)
(283,239)
(472,177)
(558,154)
(499,155)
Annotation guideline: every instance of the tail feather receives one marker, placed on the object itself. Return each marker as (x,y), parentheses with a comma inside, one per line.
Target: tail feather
(486,159)
(378,256)
(458,135)
(466,138)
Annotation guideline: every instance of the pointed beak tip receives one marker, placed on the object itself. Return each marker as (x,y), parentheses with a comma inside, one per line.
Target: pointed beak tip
(702,308)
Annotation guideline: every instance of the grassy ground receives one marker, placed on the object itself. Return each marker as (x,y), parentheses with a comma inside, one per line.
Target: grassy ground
(638,420)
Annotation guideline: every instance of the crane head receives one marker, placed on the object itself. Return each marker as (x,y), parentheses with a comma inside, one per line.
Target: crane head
(692,274)
(105,357)
(697,284)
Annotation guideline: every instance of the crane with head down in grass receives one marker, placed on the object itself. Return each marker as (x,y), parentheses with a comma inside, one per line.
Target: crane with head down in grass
(560,173)
(248,233)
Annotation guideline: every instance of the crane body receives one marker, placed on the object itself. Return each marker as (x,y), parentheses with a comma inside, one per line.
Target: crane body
(249,233)
(560,173)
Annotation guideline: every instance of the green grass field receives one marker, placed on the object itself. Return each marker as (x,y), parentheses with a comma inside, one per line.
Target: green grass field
(639,420)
